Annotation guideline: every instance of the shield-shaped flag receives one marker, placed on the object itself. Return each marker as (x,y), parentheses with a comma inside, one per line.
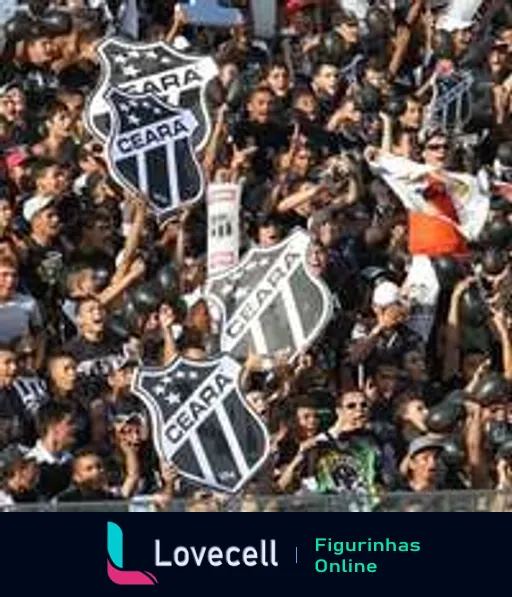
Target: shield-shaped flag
(141,68)
(149,151)
(271,302)
(451,105)
(202,423)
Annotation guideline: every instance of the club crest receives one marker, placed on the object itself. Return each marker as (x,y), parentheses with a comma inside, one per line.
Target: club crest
(157,68)
(201,421)
(271,301)
(150,151)
(451,105)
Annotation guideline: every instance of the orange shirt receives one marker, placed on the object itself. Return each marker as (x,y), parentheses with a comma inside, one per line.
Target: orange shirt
(433,236)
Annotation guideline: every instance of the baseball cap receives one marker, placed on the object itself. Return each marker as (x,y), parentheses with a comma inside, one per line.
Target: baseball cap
(424,442)
(373,274)
(127,412)
(429,133)
(386,294)
(10,86)
(499,44)
(296,5)
(348,17)
(11,455)
(321,217)
(16,157)
(452,23)
(34,205)
(181,43)
(125,362)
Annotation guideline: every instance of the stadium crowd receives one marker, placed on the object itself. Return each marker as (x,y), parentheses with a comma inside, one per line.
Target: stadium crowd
(394,396)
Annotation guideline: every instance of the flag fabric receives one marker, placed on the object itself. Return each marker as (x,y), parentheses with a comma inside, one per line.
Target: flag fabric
(140,68)
(149,151)
(409,181)
(201,421)
(270,302)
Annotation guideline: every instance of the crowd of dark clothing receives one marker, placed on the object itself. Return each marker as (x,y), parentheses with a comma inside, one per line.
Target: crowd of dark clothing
(92,285)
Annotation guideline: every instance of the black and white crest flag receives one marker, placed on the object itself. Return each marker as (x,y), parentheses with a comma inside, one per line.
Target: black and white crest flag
(202,423)
(452,102)
(271,301)
(150,151)
(139,68)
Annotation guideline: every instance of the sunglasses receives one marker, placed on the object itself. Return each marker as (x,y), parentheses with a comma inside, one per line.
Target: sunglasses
(437,146)
(354,405)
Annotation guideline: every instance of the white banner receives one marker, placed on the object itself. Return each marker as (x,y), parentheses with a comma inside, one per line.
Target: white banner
(223,201)
(211,13)
(130,20)
(264,18)
(458,14)
(358,7)
(409,180)
(8,9)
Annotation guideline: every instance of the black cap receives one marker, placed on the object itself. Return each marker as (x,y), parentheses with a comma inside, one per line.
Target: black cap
(427,134)
(11,455)
(348,17)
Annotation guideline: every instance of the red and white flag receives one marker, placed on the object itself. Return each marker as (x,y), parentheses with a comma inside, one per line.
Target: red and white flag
(409,181)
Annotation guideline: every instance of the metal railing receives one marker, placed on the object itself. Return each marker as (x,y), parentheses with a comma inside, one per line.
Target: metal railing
(441,501)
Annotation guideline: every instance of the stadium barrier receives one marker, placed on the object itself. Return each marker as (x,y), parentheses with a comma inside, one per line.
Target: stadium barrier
(441,501)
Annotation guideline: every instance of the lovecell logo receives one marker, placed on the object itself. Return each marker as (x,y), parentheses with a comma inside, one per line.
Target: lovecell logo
(115,561)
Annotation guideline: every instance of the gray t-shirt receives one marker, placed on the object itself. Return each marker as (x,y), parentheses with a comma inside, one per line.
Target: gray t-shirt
(18,316)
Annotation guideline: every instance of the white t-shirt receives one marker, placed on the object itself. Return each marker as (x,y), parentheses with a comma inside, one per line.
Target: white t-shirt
(41,455)
(5,499)
(17,316)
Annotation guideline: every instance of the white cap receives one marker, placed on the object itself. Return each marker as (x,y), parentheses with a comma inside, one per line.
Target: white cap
(386,294)
(34,205)
(181,43)
(452,23)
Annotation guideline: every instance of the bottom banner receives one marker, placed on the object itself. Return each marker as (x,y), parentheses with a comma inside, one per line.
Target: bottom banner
(219,555)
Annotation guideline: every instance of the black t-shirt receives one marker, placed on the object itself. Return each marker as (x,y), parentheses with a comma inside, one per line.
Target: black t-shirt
(282,108)
(326,106)
(15,424)
(41,272)
(80,419)
(53,478)
(393,343)
(25,497)
(148,466)
(322,142)
(96,359)
(75,494)
(40,85)
(270,139)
